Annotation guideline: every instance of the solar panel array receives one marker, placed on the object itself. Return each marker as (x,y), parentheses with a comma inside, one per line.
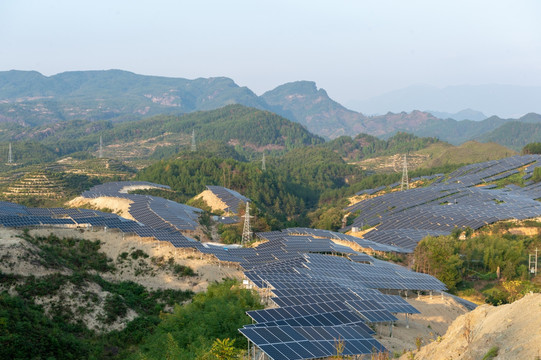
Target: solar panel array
(290,342)
(152,211)
(334,293)
(155,221)
(364,243)
(231,198)
(403,218)
(322,299)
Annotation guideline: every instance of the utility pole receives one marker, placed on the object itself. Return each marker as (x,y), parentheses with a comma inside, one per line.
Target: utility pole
(246,231)
(100,153)
(194,147)
(10,155)
(405,180)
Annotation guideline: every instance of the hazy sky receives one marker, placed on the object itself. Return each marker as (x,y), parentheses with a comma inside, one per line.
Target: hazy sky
(354,49)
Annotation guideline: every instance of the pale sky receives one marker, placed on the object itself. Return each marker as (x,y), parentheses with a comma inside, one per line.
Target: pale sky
(353,49)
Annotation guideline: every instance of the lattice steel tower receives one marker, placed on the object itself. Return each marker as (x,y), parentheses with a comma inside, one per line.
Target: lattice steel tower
(532,263)
(247,231)
(405,180)
(10,155)
(100,153)
(194,147)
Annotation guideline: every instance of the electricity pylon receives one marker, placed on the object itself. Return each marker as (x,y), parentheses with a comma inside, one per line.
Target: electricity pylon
(405,181)
(246,231)
(10,155)
(194,147)
(100,153)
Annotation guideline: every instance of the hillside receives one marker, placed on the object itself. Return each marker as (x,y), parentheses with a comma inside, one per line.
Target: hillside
(438,154)
(94,294)
(302,102)
(291,185)
(467,153)
(515,134)
(507,332)
(313,108)
(249,129)
(31,99)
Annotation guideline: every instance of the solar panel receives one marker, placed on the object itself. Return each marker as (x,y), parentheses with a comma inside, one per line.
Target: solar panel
(311,341)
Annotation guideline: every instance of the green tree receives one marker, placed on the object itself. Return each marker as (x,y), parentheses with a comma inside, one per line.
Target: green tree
(173,351)
(532,148)
(436,256)
(223,350)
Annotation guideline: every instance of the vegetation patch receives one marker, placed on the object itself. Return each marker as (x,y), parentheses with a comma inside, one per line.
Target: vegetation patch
(191,330)
(498,262)
(71,253)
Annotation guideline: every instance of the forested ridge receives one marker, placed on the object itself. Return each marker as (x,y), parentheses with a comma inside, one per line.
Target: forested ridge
(248,129)
(290,186)
(364,145)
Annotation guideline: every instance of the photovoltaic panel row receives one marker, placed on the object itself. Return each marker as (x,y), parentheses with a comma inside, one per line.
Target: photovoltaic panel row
(333,289)
(313,299)
(231,198)
(343,272)
(7,208)
(371,310)
(296,311)
(406,217)
(286,342)
(344,237)
(393,303)
(334,318)
(115,189)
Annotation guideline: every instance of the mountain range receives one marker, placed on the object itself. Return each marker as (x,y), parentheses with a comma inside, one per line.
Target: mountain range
(28,98)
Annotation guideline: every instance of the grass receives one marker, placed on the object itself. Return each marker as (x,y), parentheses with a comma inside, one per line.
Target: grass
(491,353)
(467,153)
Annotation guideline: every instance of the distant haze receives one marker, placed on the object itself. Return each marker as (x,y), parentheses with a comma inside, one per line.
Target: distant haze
(506,101)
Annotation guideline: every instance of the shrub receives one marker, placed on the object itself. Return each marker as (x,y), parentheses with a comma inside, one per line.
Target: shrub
(182,270)
(492,353)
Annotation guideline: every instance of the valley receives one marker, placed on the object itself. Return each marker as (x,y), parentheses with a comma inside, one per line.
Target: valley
(128,237)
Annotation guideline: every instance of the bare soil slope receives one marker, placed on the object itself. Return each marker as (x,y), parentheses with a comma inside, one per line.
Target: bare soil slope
(436,315)
(153,267)
(514,329)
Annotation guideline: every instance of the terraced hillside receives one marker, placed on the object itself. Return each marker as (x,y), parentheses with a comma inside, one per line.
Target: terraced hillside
(36,184)
(436,155)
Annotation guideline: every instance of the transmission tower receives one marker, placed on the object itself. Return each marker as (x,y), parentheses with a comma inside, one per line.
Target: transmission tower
(100,153)
(405,181)
(194,147)
(532,263)
(263,166)
(246,231)
(10,155)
